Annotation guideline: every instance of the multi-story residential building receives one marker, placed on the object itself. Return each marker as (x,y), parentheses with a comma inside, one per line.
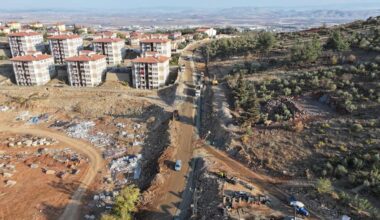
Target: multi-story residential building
(161,46)
(59,27)
(175,35)
(87,69)
(113,48)
(36,25)
(150,71)
(23,42)
(211,32)
(14,25)
(33,69)
(64,46)
(104,34)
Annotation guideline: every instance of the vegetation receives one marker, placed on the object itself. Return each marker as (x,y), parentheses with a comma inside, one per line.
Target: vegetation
(337,42)
(174,59)
(121,36)
(307,52)
(125,204)
(324,186)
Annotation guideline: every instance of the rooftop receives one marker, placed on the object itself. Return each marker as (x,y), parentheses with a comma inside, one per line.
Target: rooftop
(31,57)
(85,58)
(107,40)
(24,34)
(151,59)
(63,37)
(154,41)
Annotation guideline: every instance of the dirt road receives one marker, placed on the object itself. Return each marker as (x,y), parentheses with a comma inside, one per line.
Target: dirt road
(168,204)
(96,162)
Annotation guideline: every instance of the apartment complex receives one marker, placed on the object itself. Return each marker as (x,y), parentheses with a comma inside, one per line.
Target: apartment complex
(21,43)
(104,34)
(5,30)
(113,48)
(88,69)
(36,25)
(33,69)
(59,27)
(64,46)
(150,71)
(161,46)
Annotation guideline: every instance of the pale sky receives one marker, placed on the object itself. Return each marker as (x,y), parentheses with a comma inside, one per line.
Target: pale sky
(120,4)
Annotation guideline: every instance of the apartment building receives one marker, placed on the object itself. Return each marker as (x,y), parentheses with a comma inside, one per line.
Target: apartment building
(59,27)
(21,43)
(113,48)
(104,34)
(161,46)
(36,25)
(64,46)
(33,69)
(211,32)
(88,69)
(150,71)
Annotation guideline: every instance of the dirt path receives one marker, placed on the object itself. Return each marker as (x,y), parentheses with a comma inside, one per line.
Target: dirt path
(96,162)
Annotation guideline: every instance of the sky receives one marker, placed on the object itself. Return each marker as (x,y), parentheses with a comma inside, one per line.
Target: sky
(121,4)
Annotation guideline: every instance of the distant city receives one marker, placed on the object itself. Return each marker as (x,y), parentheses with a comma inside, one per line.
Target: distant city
(149,19)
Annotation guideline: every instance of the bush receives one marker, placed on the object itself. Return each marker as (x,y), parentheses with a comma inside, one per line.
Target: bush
(357,128)
(340,171)
(324,186)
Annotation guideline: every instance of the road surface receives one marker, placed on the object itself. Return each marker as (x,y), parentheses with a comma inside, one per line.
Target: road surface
(168,204)
(72,210)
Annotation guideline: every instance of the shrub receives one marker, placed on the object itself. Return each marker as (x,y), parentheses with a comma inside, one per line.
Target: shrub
(324,186)
(357,128)
(340,171)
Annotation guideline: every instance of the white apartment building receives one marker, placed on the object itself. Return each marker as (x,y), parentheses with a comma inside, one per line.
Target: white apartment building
(87,69)
(161,46)
(59,27)
(211,32)
(104,34)
(64,46)
(113,48)
(150,71)
(5,30)
(23,42)
(33,69)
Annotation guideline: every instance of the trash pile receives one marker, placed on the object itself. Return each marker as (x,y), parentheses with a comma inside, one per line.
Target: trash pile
(22,116)
(82,130)
(125,164)
(38,119)
(105,199)
(4,108)
(29,141)
(7,171)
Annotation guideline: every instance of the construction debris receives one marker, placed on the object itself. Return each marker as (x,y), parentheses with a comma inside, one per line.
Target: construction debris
(29,141)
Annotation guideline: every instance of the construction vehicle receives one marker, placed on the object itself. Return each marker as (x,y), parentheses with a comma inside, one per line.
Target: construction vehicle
(231,180)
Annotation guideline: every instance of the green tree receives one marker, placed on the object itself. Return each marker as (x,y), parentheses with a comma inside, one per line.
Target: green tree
(125,204)
(265,42)
(121,36)
(337,42)
(309,51)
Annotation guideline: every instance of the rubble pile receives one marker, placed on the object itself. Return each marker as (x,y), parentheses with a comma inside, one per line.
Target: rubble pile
(82,130)
(29,141)
(7,171)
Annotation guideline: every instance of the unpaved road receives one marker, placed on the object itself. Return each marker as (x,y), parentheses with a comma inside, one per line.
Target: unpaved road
(72,210)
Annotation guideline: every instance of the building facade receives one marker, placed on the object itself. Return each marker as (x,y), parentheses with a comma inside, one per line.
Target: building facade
(113,48)
(86,70)
(14,25)
(33,69)
(150,71)
(21,43)
(160,46)
(64,46)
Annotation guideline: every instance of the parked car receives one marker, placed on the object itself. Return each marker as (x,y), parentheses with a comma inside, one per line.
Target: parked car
(178,165)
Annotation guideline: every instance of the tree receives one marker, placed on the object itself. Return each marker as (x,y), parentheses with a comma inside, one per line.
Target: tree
(337,42)
(265,42)
(324,186)
(121,36)
(252,107)
(125,204)
(309,51)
